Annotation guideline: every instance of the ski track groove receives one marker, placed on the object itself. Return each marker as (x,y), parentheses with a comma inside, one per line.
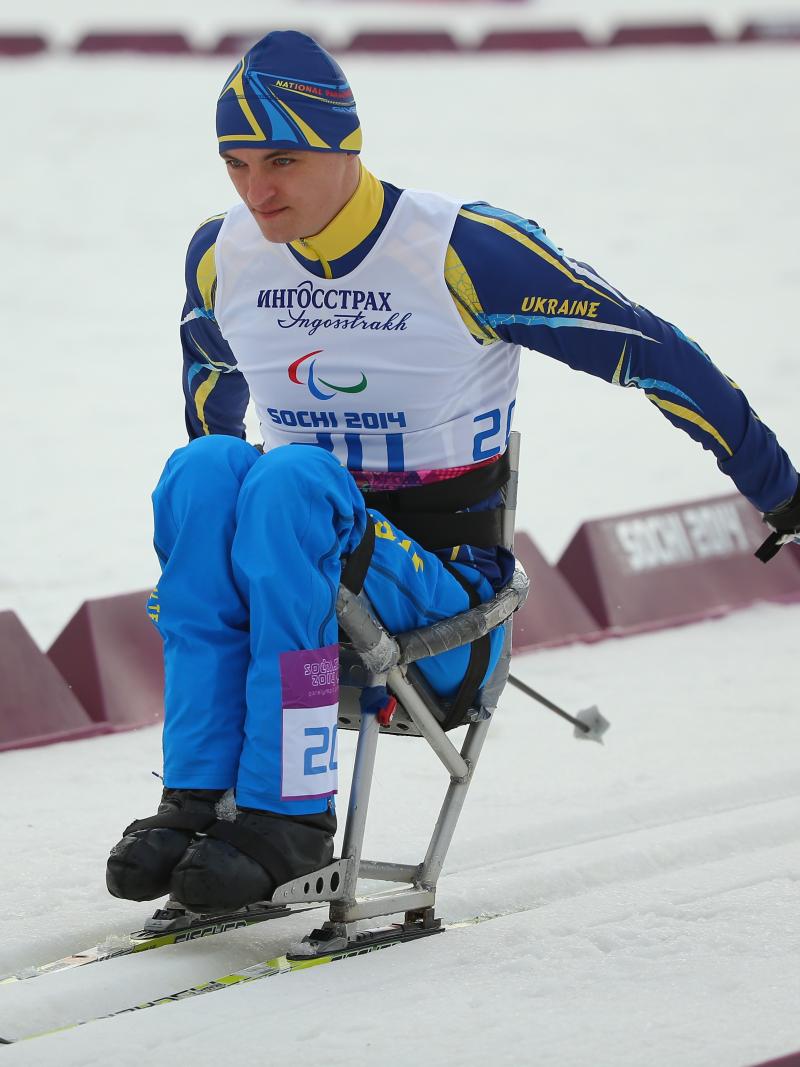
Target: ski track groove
(644,854)
(643,827)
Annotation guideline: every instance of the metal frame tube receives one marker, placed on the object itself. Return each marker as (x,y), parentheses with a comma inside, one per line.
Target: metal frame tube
(359,802)
(427,724)
(389,872)
(510,503)
(451,808)
(343,911)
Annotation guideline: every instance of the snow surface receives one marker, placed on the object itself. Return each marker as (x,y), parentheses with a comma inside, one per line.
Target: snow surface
(650,886)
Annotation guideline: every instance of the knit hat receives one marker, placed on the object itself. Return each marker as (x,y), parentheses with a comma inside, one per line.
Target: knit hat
(288,92)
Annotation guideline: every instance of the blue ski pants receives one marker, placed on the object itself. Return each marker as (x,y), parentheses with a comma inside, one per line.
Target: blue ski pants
(250,547)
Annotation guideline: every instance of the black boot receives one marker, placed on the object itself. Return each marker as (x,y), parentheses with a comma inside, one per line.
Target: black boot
(140,865)
(243,861)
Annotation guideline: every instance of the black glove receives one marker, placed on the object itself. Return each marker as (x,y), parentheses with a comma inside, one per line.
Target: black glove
(785,522)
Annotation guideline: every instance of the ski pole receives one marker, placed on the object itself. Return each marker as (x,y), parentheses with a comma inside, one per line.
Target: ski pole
(589,724)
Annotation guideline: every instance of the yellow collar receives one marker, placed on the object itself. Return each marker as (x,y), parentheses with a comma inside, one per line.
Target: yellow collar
(357,219)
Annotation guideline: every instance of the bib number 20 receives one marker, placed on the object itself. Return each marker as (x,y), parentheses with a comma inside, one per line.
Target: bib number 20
(492,438)
(321,755)
(309,763)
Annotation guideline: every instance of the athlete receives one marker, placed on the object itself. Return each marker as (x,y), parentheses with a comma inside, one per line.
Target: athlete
(382,328)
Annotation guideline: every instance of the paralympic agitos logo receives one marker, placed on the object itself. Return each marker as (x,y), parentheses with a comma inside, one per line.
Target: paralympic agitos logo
(313,379)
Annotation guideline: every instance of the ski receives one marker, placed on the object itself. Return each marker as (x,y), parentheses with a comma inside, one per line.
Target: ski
(289,963)
(146,939)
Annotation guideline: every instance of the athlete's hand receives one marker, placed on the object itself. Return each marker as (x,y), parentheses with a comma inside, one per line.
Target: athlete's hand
(785,523)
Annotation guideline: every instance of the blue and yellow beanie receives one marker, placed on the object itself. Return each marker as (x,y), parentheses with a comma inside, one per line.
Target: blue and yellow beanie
(288,92)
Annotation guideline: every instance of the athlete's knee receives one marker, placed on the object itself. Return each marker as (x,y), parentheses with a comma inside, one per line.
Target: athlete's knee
(292,479)
(217,452)
(208,468)
(293,470)
(212,460)
(309,462)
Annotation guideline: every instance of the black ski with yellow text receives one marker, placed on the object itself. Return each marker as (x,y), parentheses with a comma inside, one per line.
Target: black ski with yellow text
(371,941)
(144,941)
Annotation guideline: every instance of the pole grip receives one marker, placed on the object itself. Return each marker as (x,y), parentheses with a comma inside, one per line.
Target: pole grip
(770,548)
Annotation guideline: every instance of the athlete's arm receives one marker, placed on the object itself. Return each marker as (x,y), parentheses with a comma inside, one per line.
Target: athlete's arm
(215,391)
(511,283)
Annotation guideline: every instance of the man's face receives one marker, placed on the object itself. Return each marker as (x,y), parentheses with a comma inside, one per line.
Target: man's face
(292,194)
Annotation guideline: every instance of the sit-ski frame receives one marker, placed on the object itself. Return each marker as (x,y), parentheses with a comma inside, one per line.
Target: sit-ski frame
(377,658)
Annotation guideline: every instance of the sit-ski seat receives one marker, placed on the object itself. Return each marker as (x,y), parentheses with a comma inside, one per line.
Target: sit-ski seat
(373,657)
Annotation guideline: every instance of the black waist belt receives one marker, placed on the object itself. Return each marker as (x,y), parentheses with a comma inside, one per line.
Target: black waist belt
(433,513)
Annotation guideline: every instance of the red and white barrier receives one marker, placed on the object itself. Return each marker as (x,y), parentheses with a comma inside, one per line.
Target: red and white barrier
(393,41)
(110,654)
(158,43)
(37,706)
(785,1061)
(22,44)
(543,39)
(688,33)
(553,614)
(677,564)
(775,31)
